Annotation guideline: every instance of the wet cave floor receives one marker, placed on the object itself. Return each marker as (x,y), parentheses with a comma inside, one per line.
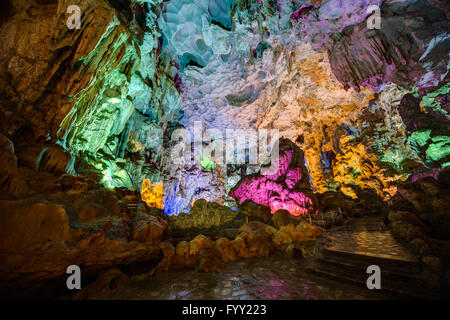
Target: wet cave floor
(280,277)
(276,277)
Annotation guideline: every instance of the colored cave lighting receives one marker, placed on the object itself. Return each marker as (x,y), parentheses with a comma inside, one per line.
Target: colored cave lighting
(276,190)
(207,163)
(430,100)
(172,203)
(153,195)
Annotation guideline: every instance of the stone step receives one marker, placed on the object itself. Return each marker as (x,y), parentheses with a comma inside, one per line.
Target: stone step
(388,263)
(401,294)
(401,278)
(395,281)
(359,270)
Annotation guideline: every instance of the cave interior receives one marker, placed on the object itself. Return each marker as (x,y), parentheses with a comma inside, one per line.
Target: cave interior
(178,148)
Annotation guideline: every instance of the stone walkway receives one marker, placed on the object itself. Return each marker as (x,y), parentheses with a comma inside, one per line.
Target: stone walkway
(369,236)
(349,250)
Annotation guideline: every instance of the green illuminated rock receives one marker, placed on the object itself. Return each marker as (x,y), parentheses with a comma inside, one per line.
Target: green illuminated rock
(128,102)
(429,99)
(207,163)
(439,149)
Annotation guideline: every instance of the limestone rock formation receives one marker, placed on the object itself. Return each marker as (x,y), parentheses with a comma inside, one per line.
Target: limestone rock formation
(203,215)
(89,88)
(9,175)
(284,188)
(425,222)
(431,199)
(302,237)
(254,240)
(90,116)
(39,240)
(253,210)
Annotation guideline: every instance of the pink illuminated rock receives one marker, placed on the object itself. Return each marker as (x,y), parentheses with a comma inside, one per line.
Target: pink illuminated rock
(293,176)
(282,189)
(302,11)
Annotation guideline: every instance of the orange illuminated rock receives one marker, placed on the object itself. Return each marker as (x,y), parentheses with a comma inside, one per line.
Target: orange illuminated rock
(40,239)
(153,195)
(301,237)
(225,250)
(254,240)
(168,250)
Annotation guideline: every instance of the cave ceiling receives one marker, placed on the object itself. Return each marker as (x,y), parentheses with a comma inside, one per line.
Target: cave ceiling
(367,105)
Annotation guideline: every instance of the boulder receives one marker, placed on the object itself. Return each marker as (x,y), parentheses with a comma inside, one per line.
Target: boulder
(10,182)
(400,229)
(256,211)
(202,248)
(284,218)
(406,231)
(429,186)
(204,215)
(432,262)
(421,247)
(108,283)
(302,237)
(254,240)
(444,178)
(431,200)
(182,258)
(168,251)
(39,182)
(225,250)
(440,216)
(369,201)
(332,200)
(406,217)
(148,229)
(415,195)
(199,254)
(40,239)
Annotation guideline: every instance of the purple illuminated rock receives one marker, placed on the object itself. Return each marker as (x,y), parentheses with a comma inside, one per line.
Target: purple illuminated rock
(409,49)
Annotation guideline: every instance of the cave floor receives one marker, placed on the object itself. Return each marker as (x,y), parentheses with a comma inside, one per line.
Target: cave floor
(269,278)
(369,236)
(351,248)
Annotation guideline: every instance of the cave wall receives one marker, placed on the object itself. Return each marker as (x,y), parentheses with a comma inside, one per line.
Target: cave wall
(103,100)
(102,92)
(88,110)
(315,72)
